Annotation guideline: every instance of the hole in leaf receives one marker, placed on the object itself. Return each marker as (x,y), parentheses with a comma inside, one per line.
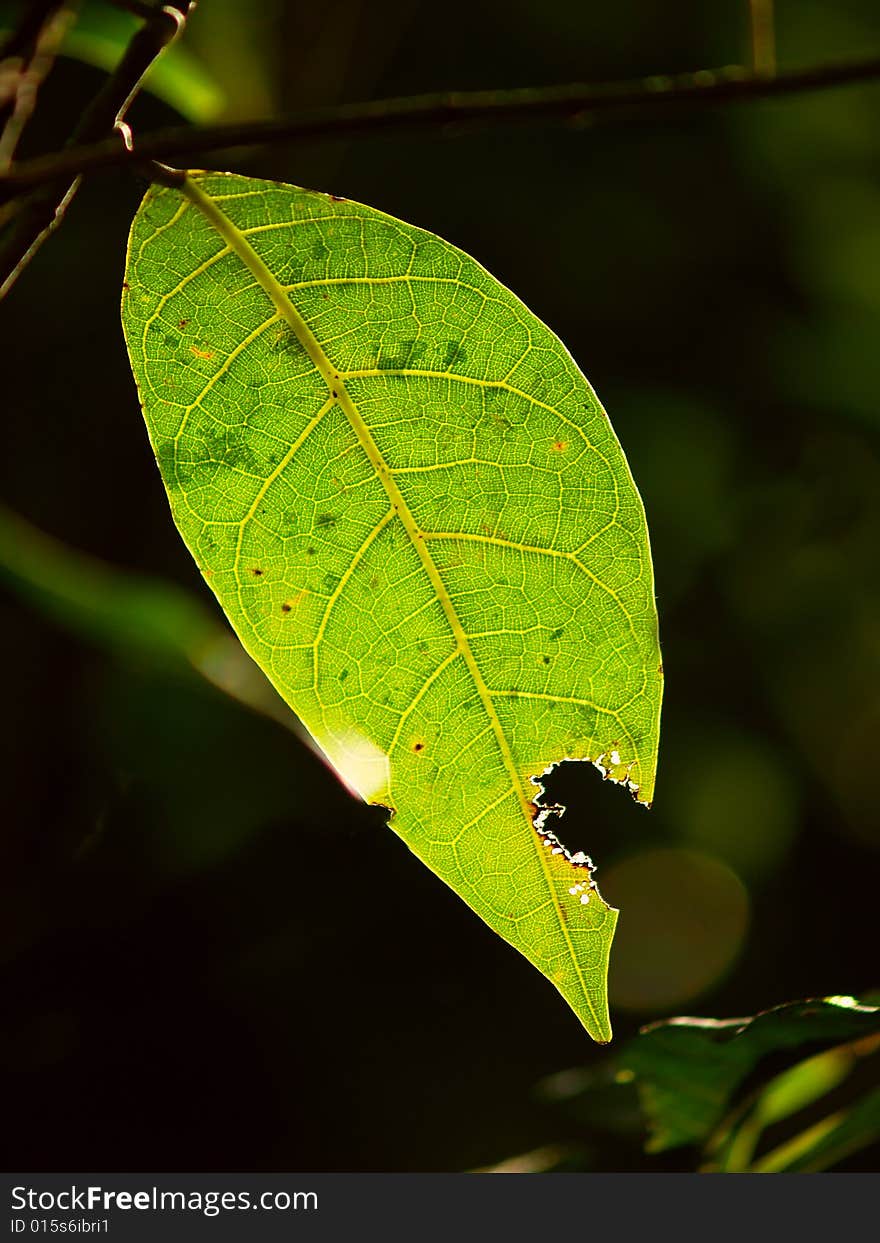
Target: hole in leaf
(598,816)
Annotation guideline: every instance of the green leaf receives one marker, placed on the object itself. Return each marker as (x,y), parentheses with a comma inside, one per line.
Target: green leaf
(801,1085)
(689,1069)
(827,1142)
(420,524)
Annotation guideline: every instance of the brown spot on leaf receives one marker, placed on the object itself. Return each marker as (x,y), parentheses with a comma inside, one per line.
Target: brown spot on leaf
(182,323)
(294,601)
(559,446)
(206,354)
(418,746)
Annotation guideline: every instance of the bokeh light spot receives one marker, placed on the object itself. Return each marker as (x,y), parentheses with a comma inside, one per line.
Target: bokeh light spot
(684,916)
(738,804)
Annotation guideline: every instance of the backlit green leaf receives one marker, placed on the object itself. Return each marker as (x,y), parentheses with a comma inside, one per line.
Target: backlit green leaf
(420,524)
(689,1070)
(827,1142)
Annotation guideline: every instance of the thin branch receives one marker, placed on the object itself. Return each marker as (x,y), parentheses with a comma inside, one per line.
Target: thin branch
(19,42)
(26,74)
(578,103)
(41,212)
(18,49)
(110,105)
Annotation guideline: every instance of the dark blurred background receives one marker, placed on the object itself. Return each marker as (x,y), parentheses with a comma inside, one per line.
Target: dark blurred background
(212,957)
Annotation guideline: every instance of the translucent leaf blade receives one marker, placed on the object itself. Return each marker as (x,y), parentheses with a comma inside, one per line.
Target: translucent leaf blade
(419,521)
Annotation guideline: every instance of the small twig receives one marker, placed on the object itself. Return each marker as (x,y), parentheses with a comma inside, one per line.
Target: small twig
(19,42)
(42,211)
(18,48)
(578,103)
(162,174)
(763,38)
(107,110)
(28,74)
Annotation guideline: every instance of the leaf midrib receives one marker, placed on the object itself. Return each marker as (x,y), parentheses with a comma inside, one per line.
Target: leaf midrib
(279,296)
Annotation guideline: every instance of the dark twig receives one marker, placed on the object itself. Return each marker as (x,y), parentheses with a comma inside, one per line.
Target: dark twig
(42,210)
(574,103)
(18,48)
(22,74)
(20,41)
